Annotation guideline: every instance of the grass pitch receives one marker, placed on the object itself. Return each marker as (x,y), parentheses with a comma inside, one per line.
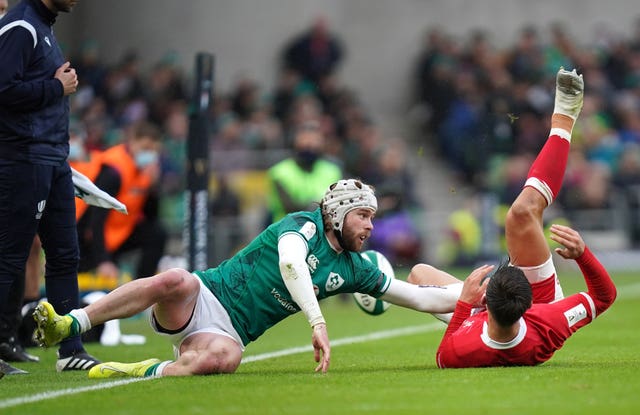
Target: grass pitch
(379,365)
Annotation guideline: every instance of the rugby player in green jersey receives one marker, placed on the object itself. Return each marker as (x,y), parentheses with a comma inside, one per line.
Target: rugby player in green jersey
(210,316)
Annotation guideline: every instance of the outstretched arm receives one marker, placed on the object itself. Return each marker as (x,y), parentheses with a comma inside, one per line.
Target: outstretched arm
(431,297)
(426,298)
(292,251)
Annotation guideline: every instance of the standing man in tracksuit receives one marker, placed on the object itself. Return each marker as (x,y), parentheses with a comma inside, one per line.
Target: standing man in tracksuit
(36,190)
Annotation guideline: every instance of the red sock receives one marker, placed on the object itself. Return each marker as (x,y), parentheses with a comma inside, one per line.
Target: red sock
(547,171)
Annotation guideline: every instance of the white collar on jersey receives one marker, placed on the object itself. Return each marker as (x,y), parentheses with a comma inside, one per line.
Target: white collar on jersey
(522,331)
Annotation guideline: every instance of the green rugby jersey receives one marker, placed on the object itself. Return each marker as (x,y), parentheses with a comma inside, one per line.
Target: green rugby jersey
(250,287)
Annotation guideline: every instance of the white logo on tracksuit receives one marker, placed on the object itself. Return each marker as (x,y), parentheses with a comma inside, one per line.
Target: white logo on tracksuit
(40,208)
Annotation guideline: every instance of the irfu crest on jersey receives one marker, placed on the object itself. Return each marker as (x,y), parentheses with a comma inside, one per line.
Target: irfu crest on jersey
(334,282)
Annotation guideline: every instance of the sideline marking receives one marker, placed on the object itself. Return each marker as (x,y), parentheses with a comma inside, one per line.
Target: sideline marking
(378,335)
(7,403)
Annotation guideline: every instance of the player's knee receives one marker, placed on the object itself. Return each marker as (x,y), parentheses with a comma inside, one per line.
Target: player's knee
(523,211)
(173,282)
(219,360)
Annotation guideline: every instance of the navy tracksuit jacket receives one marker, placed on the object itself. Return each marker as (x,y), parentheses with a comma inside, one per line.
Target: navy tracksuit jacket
(36,190)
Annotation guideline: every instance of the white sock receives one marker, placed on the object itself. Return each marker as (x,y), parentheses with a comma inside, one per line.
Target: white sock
(160,368)
(82,318)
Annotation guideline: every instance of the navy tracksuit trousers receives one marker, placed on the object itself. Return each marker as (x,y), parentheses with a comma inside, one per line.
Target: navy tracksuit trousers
(37,198)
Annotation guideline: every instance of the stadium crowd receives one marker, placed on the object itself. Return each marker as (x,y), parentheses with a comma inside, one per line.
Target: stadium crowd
(251,129)
(485,110)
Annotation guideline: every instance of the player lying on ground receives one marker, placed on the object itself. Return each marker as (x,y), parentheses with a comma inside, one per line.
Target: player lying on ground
(210,316)
(527,317)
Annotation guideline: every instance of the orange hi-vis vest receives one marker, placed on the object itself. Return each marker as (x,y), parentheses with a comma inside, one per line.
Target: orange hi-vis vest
(134,190)
(90,168)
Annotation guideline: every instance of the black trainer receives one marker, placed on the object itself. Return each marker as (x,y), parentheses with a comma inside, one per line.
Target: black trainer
(12,351)
(7,369)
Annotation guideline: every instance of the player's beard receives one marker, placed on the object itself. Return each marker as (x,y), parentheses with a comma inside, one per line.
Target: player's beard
(351,240)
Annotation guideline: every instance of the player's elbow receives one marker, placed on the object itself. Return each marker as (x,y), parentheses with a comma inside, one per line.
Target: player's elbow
(604,300)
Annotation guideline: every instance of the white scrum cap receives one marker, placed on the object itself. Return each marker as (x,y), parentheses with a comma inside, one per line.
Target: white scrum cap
(344,196)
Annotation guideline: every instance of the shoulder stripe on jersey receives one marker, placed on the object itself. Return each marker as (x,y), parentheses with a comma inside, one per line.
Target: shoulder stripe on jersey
(591,305)
(21,23)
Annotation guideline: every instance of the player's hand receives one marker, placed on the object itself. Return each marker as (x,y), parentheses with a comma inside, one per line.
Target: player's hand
(475,285)
(573,245)
(321,348)
(68,77)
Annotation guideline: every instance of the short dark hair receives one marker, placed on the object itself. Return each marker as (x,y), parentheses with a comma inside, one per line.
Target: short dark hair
(508,294)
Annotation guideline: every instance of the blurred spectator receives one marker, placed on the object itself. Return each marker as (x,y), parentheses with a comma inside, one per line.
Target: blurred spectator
(261,131)
(227,150)
(627,182)
(165,88)
(225,202)
(91,71)
(315,53)
(173,156)
(362,141)
(462,125)
(435,69)
(225,212)
(245,98)
(173,159)
(306,108)
(525,60)
(285,93)
(78,150)
(129,172)
(300,181)
(462,243)
(124,90)
(397,235)
(587,185)
(561,51)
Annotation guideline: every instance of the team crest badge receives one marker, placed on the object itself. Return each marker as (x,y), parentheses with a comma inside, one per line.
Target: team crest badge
(334,282)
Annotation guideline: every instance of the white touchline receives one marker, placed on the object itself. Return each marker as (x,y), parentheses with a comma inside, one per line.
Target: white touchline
(403,331)
(378,335)
(62,392)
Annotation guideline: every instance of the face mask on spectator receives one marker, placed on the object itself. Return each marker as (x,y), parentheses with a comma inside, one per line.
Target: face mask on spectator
(76,151)
(306,158)
(145,158)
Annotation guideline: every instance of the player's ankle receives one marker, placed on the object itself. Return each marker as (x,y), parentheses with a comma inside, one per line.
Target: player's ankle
(81,322)
(562,121)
